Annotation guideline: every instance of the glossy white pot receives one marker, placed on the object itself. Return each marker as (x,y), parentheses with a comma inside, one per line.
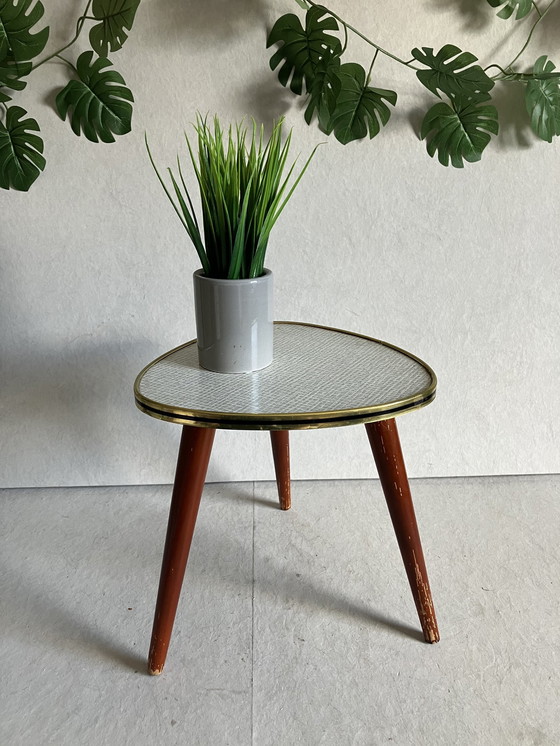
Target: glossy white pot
(234,322)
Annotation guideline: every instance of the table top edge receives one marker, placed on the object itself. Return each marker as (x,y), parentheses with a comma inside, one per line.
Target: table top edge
(305,421)
(286,420)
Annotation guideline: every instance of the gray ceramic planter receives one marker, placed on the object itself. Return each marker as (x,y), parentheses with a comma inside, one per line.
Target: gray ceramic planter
(234,322)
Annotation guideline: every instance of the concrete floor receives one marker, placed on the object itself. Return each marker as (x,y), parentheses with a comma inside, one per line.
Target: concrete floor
(294,628)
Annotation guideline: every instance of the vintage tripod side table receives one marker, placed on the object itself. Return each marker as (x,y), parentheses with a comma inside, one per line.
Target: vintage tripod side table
(320,377)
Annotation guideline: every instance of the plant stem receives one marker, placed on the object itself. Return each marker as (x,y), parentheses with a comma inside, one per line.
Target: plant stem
(371,66)
(60,57)
(503,75)
(345,40)
(365,38)
(533,27)
(79,26)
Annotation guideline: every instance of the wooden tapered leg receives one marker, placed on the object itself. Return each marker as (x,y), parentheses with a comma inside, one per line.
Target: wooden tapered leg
(384,441)
(281,452)
(192,465)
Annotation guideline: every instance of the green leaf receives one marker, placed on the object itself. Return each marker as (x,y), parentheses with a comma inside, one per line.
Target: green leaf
(359,109)
(459,132)
(324,90)
(523,7)
(302,49)
(21,159)
(452,72)
(117,17)
(17,44)
(17,17)
(99,101)
(4,98)
(11,73)
(542,99)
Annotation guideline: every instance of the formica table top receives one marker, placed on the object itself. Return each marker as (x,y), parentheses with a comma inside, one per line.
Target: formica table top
(319,377)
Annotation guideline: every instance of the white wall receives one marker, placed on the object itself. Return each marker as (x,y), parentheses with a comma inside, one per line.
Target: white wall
(459,267)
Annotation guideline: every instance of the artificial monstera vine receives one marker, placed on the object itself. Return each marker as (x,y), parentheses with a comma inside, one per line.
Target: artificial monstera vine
(459,131)
(451,72)
(97,100)
(521,8)
(303,48)
(457,128)
(21,151)
(115,18)
(18,42)
(339,94)
(358,109)
(543,101)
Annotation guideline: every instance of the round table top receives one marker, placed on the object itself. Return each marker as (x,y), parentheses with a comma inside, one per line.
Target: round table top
(319,377)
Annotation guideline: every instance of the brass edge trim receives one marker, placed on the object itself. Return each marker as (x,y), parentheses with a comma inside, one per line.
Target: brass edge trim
(178,414)
(154,362)
(299,424)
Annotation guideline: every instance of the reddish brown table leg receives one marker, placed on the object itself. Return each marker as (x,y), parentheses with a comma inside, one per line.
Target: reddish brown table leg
(281,452)
(192,464)
(384,441)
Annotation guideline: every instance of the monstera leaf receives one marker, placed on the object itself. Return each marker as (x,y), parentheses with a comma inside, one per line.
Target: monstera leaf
(116,18)
(11,73)
(99,101)
(459,132)
(542,99)
(20,151)
(302,49)
(324,90)
(523,7)
(17,44)
(359,109)
(452,72)
(17,17)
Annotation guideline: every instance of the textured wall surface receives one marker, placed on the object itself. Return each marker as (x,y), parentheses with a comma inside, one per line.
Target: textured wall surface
(459,266)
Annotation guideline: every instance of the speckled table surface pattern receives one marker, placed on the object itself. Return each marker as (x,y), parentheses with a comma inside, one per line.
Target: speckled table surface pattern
(319,377)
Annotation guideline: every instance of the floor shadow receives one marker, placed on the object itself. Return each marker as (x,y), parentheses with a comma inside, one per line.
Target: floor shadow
(38,614)
(308,592)
(36,610)
(231,494)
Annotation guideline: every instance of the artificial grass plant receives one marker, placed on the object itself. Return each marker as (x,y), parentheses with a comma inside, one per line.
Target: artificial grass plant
(242,190)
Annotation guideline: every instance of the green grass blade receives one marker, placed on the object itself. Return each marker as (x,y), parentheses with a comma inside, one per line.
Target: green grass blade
(243,190)
(183,213)
(239,244)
